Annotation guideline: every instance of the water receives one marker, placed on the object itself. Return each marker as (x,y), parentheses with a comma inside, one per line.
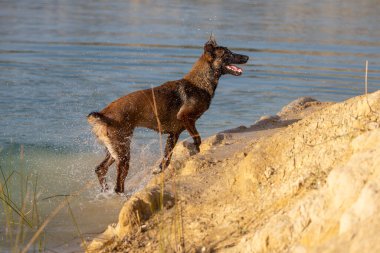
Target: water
(60,60)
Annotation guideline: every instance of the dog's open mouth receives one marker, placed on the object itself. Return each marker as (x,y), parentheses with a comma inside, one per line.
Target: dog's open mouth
(234,70)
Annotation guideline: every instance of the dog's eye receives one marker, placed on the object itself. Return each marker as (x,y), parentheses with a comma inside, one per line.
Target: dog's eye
(227,56)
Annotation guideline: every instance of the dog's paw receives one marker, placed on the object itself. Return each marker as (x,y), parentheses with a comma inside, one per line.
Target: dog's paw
(118,190)
(105,188)
(197,149)
(157,170)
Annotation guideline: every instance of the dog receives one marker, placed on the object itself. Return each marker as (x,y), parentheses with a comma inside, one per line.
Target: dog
(169,109)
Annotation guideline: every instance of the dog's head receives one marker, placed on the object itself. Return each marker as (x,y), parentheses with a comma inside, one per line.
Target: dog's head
(222,60)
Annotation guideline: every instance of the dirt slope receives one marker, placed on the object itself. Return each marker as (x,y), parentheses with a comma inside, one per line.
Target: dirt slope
(305,180)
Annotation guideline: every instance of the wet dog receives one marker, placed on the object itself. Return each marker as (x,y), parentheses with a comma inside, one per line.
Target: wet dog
(169,109)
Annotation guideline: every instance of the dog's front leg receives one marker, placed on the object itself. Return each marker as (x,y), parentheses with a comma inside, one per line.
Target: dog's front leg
(190,127)
(187,115)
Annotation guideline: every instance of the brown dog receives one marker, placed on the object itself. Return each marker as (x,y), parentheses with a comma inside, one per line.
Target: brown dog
(169,109)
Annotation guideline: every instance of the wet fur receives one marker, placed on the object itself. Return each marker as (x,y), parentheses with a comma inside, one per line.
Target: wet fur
(170,108)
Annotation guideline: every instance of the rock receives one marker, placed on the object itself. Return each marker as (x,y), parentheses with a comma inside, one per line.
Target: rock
(143,228)
(184,149)
(215,140)
(269,171)
(297,105)
(267,118)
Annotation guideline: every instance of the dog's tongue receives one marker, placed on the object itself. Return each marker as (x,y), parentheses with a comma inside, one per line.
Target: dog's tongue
(234,68)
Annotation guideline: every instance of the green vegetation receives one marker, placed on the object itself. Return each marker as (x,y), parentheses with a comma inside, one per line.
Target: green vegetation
(18,199)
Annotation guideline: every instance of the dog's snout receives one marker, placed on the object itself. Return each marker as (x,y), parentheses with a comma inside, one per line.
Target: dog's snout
(240,59)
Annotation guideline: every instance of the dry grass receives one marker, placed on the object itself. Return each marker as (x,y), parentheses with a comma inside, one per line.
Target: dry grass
(166,234)
(366,77)
(21,214)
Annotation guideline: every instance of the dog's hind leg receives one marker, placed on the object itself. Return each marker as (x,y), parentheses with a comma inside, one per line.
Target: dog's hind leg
(123,152)
(102,168)
(170,144)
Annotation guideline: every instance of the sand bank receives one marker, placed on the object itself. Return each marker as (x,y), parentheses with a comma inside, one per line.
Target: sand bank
(304,180)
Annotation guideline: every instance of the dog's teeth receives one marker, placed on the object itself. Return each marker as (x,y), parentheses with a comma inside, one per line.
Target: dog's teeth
(234,68)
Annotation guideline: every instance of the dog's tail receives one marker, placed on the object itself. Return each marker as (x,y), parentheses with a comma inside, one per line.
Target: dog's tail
(100,127)
(100,124)
(95,118)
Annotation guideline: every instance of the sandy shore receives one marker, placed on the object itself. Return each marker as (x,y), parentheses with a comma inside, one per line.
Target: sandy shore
(304,180)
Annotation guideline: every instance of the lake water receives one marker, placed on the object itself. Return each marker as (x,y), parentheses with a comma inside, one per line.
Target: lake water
(60,60)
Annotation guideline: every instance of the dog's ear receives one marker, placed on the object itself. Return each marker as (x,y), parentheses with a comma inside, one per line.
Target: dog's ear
(209,48)
(212,40)
(210,45)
